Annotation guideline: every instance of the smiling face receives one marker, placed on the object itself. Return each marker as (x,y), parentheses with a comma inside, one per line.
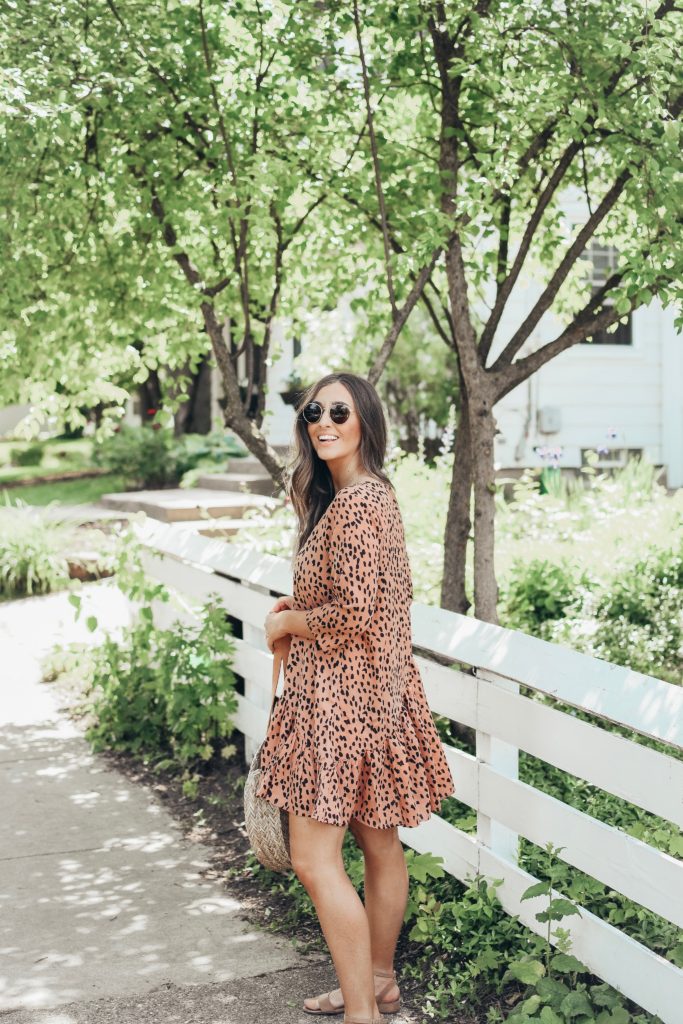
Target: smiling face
(341,455)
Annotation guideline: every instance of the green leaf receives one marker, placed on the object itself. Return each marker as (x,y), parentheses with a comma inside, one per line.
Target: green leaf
(91,623)
(537,889)
(564,963)
(528,971)
(676,845)
(557,909)
(676,954)
(575,1003)
(531,1004)
(423,865)
(548,1016)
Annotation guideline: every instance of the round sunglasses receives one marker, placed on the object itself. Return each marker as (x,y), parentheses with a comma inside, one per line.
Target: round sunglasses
(339,412)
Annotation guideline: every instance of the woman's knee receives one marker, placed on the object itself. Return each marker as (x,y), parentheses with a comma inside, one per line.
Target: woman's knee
(375,842)
(315,850)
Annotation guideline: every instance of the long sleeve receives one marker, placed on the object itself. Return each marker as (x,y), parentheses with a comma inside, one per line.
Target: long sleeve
(354,548)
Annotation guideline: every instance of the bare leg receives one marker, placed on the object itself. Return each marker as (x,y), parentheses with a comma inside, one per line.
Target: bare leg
(317,861)
(386,893)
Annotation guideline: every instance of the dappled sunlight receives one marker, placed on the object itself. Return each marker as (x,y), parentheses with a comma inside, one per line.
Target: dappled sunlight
(100,893)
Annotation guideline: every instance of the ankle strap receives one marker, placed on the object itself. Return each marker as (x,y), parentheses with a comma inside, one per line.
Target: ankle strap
(364,1020)
(384,974)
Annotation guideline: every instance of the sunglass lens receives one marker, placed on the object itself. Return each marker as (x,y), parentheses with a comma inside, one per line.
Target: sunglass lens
(312,412)
(340,412)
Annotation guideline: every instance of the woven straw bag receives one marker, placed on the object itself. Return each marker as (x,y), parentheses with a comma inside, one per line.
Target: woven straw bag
(267,826)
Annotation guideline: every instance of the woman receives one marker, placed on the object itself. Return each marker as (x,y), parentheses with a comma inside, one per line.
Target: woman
(352,742)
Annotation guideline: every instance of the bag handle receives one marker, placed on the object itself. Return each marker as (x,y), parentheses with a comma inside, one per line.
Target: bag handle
(278,659)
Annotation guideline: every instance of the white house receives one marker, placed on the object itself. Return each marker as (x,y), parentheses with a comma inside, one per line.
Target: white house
(619,394)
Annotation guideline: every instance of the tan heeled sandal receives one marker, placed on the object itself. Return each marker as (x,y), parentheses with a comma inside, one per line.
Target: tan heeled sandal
(362,1020)
(327,1008)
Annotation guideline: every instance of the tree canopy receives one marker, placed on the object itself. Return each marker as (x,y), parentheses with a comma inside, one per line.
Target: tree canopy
(179,173)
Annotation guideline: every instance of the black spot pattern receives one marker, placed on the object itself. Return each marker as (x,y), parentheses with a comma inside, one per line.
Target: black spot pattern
(352,735)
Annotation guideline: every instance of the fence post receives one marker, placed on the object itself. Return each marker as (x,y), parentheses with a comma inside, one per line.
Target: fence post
(504,758)
(258,695)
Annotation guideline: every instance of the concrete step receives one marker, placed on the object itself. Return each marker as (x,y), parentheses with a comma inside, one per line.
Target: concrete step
(226,527)
(250,483)
(248,464)
(176,504)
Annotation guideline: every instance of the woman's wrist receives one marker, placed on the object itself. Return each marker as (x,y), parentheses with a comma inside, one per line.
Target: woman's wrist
(295,622)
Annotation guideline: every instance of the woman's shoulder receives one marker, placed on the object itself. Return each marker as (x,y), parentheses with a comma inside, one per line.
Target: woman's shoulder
(373,481)
(366,499)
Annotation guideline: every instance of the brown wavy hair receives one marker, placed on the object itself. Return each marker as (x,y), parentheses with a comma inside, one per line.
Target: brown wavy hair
(309,486)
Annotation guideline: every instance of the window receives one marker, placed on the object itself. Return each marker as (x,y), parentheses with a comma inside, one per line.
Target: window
(604,259)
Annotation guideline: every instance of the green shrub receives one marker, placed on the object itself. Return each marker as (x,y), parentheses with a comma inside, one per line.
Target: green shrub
(539,591)
(205,451)
(30,456)
(37,549)
(31,565)
(150,456)
(634,619)
(165,693)
(145,455)
(640,616)
(31,552)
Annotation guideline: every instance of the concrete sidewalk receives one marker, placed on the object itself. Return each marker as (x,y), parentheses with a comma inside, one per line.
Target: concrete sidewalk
(103,914)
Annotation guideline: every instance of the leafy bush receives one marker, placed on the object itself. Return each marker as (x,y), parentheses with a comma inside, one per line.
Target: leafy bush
(144,455)
(31,553)
(539,591)
(205,451)
(466,951)
(150,456)
(165,693)
(30,456)
(640,616)
(634,619)
(38,551)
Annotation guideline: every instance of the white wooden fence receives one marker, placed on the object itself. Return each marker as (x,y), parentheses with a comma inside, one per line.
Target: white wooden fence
(505,721)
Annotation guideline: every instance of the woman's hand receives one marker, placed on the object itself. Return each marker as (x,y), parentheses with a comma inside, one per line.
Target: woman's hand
(283,602)
(275,628)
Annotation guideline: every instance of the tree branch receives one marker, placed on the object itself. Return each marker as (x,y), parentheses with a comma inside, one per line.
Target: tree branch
(573,253)
(541,140)
(401,318)
(375,164)
(506,286)
(587,322)
(156,73)
(581,328)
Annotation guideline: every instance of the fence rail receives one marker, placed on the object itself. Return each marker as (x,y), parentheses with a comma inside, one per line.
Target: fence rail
(489,700)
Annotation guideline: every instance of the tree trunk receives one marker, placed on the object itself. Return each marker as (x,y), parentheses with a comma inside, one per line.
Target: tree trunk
(151,396)
(235,418)
(458,521)
(194,416)
(482,429)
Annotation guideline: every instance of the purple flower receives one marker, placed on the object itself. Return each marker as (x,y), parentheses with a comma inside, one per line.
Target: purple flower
(552,455)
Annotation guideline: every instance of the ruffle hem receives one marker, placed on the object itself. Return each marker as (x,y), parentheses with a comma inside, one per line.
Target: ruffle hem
(370,787)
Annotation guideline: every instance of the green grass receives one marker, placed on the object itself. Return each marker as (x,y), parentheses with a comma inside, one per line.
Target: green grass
(67,492)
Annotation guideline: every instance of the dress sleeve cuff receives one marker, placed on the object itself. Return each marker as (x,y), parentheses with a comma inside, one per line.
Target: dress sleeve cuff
(326,641)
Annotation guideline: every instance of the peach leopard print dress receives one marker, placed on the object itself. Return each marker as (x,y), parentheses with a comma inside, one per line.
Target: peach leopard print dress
(352,735)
